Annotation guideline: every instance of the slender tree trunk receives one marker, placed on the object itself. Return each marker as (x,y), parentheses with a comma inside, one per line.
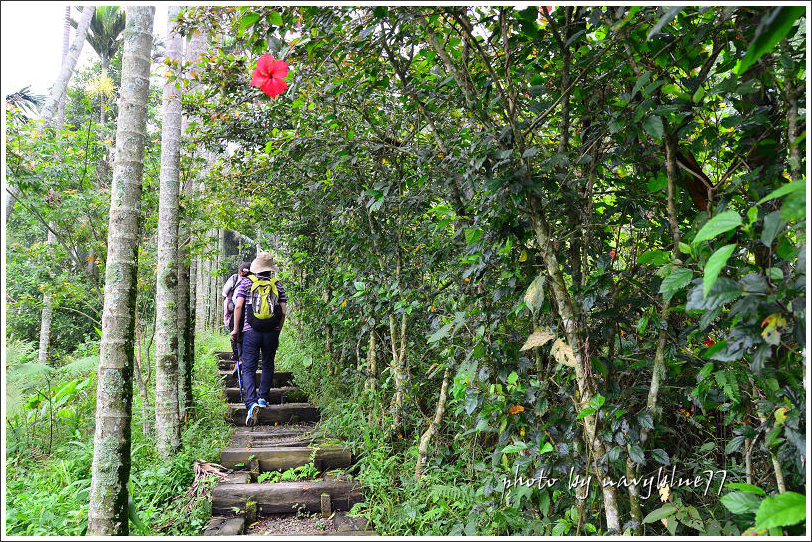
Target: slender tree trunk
(167,417)
(425,439)
(146,423)
(569,321)
(200,295)
(187,274)
(108,512)
(58,90)
(47,314)
(60,111)
(372,363)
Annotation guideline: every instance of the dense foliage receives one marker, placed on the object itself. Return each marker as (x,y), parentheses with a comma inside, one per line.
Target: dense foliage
(586,226)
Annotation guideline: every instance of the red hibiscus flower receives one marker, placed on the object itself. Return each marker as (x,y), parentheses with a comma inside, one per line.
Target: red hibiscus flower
(708,342)
(612,253)
(270,75)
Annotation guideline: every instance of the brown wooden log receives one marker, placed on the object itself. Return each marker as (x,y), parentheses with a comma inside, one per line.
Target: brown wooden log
(326,508)
(284,497)
(276,414)
(280,378)
(239,477)
(276,396)
(274,458)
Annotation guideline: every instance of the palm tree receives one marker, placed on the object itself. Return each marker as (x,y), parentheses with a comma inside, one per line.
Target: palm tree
(167,418)
(104,36)
(107,514)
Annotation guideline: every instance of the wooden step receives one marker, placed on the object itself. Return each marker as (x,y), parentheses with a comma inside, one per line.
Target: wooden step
(284,458)
(292,441)
(223,354)
(284,497)
(285,394)
(280,378)
(276,414)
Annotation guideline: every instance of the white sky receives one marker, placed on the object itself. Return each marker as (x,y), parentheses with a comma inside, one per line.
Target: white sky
(32,43)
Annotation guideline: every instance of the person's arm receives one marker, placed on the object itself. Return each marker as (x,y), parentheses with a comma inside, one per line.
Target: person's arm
(284,310)
(238,305)
(225,311)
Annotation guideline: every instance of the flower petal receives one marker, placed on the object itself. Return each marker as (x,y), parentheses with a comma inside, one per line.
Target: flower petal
(259,78)
(264,64)
(274,87)
(279,69)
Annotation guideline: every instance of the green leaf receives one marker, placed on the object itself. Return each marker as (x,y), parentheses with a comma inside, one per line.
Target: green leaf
(440,333)
(749,488)
(512,378)
(660,456)
(664,511)
(698,95)
(276,18)
(657,183)
(794,207)
(675,281)
(588,411)
(642,80)
(772,225)
(776,26)
(784,190)
(719,224)
(715,264)
(664,20)
(248,20)
(636,453)
(654,126)
(740,502)
(547,448)
(781,510)
(472,235)
(517,447)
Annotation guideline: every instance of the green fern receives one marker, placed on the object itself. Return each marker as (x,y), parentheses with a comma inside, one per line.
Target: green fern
(82,365)
(19,352)
(452,494)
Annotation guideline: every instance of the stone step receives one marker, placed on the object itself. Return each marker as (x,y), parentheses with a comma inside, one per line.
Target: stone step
(223,526)
(284,497)
(276,396)
(276,414)
(284,458)
(280,378)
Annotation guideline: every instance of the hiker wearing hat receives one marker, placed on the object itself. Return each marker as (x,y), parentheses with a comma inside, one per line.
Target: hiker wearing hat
(259,313)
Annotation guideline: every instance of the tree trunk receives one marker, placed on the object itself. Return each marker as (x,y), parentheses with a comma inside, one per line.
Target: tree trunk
(60,111)
(167,418)
(425,439)
(108,512)
(47,309)
(187,274)
(372,363)
(58,90)
(569,321)
(200,295)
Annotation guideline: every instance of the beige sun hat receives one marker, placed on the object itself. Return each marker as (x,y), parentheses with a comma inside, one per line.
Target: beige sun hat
(263,263)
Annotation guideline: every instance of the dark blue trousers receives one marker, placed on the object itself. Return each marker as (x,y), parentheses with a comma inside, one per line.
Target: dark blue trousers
(255,343)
